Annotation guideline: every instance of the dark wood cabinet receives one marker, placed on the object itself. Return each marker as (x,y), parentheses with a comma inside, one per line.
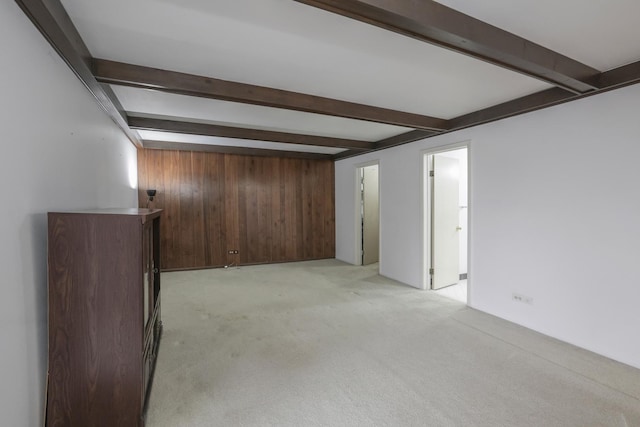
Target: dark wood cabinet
(104,315)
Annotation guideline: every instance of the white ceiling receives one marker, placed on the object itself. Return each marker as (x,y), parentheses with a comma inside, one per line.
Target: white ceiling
(151,103)
(211,140)
(288,45)
(603,34)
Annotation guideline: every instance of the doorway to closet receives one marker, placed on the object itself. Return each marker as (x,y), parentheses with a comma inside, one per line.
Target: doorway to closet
(446,222)
(369,214)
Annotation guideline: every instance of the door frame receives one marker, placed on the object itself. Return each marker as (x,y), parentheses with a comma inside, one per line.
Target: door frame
(426,193)
(358,216)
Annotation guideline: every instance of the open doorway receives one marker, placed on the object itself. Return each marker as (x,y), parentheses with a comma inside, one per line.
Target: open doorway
(368,217)
(446,222)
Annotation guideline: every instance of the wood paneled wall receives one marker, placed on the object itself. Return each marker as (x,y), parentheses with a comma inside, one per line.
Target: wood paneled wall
(269,209)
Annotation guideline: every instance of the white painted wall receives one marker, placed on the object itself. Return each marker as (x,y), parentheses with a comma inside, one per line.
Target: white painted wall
(59,150)
(554,216)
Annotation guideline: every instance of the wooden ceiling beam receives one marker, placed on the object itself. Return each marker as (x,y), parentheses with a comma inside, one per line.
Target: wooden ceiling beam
(345,154)
(609,80)
(622,76)
(437,24)
(403,138)
(224,149)
(207,87)
(205,129)
(52,20)
(425,20)
(525,104)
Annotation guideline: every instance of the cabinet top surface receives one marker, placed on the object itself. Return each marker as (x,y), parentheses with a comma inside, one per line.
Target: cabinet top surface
(115,211)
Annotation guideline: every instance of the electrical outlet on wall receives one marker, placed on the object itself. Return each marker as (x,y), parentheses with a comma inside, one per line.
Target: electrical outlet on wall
(233,251)
(522,298)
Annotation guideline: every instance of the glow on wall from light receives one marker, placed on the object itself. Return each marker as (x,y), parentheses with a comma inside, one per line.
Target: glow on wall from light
(132,169)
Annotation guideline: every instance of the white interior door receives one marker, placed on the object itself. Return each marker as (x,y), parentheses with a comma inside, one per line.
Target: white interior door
(370,215)
(444,222)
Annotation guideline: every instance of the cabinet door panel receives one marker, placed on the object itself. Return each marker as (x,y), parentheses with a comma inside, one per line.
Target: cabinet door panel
(150,273)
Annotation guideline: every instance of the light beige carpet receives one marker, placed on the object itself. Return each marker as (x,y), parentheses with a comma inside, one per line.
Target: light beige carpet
(324,343)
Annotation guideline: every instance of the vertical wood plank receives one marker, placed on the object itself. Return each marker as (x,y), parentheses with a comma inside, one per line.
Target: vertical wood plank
(143,177)
(290,214)
(186,223)
(198,209)
(251,225)
(277,222)
(232,206)
(264,230)
(214,208)
(329,231)
(244,213)
(172,178)
(269,209)
(298,171)
(317,214)
(307,211)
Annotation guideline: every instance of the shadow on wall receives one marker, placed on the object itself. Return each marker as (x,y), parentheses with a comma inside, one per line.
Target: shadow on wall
(33,253)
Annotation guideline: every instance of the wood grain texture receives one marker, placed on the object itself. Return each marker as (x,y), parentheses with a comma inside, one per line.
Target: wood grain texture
(440,25)
(228,149)
(52,20)
(268,209)
(208,129)
(96,325)
(119,73)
